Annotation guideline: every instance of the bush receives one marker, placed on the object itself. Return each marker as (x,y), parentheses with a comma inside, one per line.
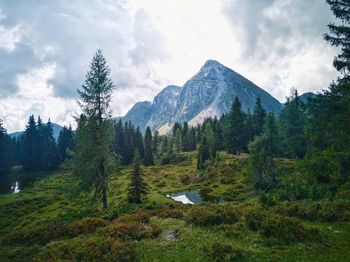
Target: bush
(142,216)
(43,234)
(327,211)
(203,216)
(86,226)
(93,249)
(224,252)
(132,231)
(284,228)
(171,213)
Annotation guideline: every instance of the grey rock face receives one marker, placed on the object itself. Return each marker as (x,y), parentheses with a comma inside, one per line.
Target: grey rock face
(208,93)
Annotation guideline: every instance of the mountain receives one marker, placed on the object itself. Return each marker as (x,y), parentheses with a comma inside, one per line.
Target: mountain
(208,93)
(55,127)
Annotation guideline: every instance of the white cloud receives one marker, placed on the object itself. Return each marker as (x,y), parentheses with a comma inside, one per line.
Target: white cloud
(46,47)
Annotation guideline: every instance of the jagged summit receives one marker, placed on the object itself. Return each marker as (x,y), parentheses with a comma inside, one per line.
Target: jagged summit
(208,93)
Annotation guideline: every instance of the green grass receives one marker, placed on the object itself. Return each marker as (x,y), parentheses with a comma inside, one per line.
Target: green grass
(49,201)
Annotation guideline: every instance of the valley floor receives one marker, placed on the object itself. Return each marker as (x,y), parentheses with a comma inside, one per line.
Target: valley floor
(47,222)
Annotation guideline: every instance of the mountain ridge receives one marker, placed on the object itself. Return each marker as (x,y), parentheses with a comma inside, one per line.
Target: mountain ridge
(208,93)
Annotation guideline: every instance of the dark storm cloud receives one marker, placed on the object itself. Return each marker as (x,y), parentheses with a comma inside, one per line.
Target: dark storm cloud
(275,28)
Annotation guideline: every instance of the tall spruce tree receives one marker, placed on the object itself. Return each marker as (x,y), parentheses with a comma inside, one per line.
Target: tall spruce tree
(258,117)
(261,153)
(292,124)
(137,187)
(178,141)
(4,150)
(94,134)
(30,157)
(235,137)
(139,142)
(148,159)
(328,154)
(65,142)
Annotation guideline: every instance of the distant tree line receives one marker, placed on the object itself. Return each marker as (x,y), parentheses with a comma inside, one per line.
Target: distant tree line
(35,149)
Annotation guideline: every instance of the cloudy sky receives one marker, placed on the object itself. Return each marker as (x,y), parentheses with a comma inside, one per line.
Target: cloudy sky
(46,47)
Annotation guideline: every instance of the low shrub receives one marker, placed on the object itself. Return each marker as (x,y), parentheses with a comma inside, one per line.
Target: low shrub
(203,216)
(132,231)
(224,252)
(92,249)
(43,234)
(86,225)
(171,213)
(141,216)
(327,211)
(286,229)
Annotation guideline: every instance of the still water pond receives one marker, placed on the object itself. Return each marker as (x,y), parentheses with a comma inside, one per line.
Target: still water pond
(194,197)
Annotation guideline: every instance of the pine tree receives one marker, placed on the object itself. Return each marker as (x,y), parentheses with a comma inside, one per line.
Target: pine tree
(30,158)
(178,141)
(292,123)
(65,142)
(148,159)
(156,141)
(139,142)
(94,134)
(4,150)
(203,153)
(261,153)
(235,138)
(258,117)
(137,187)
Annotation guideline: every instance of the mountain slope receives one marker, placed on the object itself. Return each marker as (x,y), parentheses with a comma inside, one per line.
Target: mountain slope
(208,93)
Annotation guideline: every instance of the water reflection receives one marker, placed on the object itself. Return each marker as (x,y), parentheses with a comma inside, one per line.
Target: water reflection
(194,197)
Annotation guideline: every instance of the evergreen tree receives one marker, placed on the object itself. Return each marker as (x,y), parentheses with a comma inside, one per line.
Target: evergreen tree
(119,143)
(156,141)
(186,138)
(129,145)
(148,159)
(4,150)
(203,153)
(30,156)
(65,142)
(94,134)
(137,187)
(235,138)
(210,139)
(292,123)
(178,141)
(261,153)
(258,117)
(139,142)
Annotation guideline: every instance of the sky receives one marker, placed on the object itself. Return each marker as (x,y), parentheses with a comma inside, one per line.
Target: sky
(46,47)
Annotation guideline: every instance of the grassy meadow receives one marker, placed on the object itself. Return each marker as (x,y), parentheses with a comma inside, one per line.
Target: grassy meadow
(46,222)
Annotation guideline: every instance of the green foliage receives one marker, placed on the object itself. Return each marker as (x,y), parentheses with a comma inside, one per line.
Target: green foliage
(235,137)
(137,187)
(148,159)
(225,252)
(94,135)
(280,227)
(262,150)
(91,249)
(65,142)
(292,125)
(205,216)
